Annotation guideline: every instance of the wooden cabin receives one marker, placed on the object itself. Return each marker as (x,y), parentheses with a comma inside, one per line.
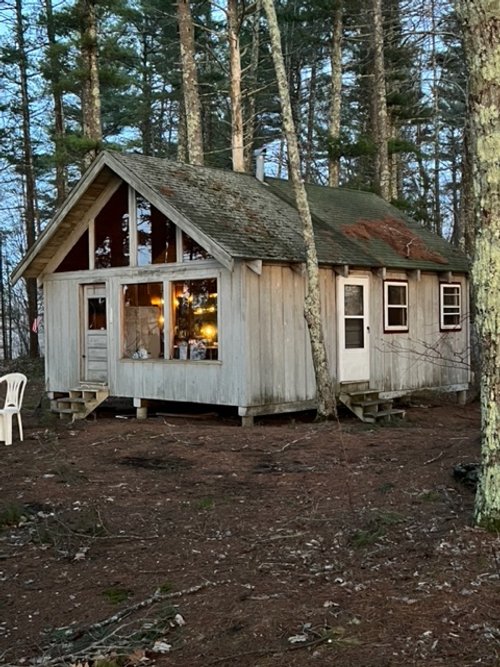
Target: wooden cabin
(167,281)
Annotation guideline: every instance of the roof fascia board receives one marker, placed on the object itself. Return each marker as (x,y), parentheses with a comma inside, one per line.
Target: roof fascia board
(172,213)
(51,228)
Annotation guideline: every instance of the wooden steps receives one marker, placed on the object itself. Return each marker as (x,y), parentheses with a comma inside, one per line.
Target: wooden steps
(368,406)
(78,403)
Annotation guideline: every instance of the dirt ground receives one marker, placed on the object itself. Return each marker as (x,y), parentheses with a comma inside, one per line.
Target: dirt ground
(189,541)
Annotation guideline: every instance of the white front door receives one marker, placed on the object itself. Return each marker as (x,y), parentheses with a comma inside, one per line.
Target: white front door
(95,334)
(353,329)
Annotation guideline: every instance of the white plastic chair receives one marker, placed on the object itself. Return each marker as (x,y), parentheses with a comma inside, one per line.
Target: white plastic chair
(16,384)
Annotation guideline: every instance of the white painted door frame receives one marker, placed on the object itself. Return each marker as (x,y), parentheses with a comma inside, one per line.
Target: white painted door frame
(353,327)
(94,367)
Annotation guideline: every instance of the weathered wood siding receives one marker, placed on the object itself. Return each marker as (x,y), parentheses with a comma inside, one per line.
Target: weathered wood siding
(216,382)
(424,356)
(265,356)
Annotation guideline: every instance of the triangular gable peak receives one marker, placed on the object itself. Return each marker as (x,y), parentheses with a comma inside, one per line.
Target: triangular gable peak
(112,220)
(127,231)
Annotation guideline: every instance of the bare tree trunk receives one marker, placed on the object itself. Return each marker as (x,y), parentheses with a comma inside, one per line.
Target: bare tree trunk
(235,86)
(182,151)
(91,96)
(336,94)
(251,95)
(28,172)
(59,130)
(192,104)
(481,23)
(312,307)
(311,118)
(380,117)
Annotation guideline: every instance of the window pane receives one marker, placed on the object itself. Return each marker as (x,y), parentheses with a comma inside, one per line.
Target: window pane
(397,317)
(155,235)
(195,319)
(143,321)
(192,251)
(353,300)
(112,232)
(77,258)
(451,297)
(96,313)
(354,332)
(451,320)
(396,295)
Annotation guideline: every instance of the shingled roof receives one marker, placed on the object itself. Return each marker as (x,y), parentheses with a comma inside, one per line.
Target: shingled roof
(247,219)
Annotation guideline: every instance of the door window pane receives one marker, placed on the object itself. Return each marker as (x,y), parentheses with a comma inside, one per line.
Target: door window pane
(353,300)
(354,332)
(96,313)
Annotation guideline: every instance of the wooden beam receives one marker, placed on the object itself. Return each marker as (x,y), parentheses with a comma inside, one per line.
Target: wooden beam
(342,270)
(381,272)
(416,274)
(300,269)
(255,265)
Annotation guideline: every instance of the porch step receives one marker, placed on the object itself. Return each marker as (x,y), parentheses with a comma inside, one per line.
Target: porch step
(78,403)
(368,406)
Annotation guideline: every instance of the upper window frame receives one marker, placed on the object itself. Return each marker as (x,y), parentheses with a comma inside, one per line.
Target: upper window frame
(442,325)
(393,328)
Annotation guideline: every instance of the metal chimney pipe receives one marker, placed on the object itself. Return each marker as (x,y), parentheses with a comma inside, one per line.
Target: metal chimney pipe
(259,164)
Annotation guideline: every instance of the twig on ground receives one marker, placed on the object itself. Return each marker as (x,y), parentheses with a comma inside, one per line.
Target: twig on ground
(289,444)
(436,458)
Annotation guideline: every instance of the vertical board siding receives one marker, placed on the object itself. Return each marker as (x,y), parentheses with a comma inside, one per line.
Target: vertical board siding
(265,355)
(62,334)
(424,356)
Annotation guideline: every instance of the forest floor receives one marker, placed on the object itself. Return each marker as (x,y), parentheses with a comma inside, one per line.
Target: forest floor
(186,541)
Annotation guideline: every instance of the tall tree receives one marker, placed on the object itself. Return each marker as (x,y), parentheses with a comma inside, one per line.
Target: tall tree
(481,24)
(91,94)
(336,93)
(28,170)
(233,24)
(192,105)
(312,307)
(54,77)
(379,104)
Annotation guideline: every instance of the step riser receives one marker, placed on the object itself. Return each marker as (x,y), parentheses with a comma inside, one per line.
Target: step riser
(79,403)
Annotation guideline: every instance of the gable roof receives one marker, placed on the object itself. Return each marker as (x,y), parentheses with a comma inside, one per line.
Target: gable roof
(235,216)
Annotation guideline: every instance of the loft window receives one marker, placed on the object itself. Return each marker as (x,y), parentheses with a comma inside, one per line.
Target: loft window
(450,307)
(156,235)
(192,251)
(111,231)
(77,258)
(194,319)
(395,306)
(143,321)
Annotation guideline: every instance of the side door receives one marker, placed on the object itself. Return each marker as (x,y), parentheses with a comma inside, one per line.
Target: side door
(94,334)
(353,326)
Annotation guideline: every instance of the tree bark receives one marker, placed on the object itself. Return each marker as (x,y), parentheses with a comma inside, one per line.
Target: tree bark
(28,172)
(192,104)
(59,130)
(380,116)
(481,24)
(312,307)
(91,96)
(336,94)
(237,140)
(251,93)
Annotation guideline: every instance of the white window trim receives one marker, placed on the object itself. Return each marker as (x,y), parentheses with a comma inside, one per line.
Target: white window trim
(450,310)
(395,328)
